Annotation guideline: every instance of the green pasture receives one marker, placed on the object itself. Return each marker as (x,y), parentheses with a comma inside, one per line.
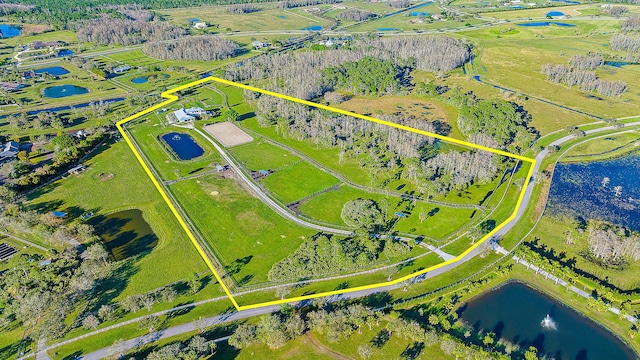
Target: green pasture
(261,154)
(244,233)
(297,181)
(94,191)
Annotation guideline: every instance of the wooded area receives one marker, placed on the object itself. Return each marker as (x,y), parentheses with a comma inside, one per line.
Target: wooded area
(117,31)
(203,48)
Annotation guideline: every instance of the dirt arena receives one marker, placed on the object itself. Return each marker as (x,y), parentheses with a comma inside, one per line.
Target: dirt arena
(228,134)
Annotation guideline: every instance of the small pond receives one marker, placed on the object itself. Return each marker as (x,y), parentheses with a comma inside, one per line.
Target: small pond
(617,64)
(65,52)
(546,23)
(386,29)
(53,71)
(64,91)
(554,13)
(526,317)
(125,233)
(183,145)
(140,80)
(313,28)
(577,190)
(9,31)
(421,14)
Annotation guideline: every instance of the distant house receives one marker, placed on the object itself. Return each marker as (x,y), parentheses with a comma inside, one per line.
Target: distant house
(181,116)
(28,74)
(200,25)
(193,111)
(45,44)
(9,151)
(11,86)
(121,69)
(220,168)
(259,44)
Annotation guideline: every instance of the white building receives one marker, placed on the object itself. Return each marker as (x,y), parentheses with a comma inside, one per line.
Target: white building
(193,111)
(9,151)
(200,25)
(258,44)
(181,116)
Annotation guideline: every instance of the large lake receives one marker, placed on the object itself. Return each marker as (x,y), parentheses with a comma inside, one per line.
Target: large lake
(516,312)
(578,190)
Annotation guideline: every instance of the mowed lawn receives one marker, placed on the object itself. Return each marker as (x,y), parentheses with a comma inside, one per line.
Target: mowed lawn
(439,223)
(174,257)
(246,235)
(297,181)
(260,154)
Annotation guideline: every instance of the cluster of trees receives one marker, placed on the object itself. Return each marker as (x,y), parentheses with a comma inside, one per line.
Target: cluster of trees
(578,75)
(136,12)
(362,213)
(626,42)
(300,73)
(631,23)
(612,245)
(42,296)
(196,348)
(323,255)
(356,15)
(615,10)
(273,330)
(458,170)
(117,31)
(289,4)
(7,9)
(400,4)
(203,48)
(496,123)
(586,62)
(243,9)
(367,76)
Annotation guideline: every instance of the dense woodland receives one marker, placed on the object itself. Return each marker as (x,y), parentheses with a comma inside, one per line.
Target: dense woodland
(579,72)
(631,23)
(356,15)
(203,48)
(300,73)
(122,31)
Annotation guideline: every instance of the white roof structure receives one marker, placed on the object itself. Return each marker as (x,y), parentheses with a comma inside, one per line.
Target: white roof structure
(182,116)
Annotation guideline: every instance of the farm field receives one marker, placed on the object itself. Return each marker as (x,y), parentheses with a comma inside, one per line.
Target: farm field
(292,183)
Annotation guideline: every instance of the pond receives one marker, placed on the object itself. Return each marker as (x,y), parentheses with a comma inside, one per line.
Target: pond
(64,91)
(546,23)
(53,71)
(9,31)
(140,80)
(125,233)
(579,189)
(386,29)
(313,28)
(526,317)
(617,64)
(183,145)
(554,13)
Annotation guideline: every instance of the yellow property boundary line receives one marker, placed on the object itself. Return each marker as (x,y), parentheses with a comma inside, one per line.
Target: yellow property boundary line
(172,98)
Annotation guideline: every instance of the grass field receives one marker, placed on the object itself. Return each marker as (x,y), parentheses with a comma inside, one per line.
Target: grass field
(268,19)
(604,148)
(244,233)
(172,259)
(260,154)
(297,181)
(67,36)
(403,22)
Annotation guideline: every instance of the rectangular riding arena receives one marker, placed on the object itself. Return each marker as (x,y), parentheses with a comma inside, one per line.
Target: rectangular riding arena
(228,134)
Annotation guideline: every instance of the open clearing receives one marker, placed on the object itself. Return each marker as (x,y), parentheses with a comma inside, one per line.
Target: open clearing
(228,134)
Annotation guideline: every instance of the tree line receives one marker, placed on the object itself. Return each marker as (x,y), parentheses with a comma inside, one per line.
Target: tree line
(631,23)
(201,48)
(289,4)
(367,76)
(612,245)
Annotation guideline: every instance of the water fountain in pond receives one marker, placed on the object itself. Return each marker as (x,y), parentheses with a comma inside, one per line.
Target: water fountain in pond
(548,323)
